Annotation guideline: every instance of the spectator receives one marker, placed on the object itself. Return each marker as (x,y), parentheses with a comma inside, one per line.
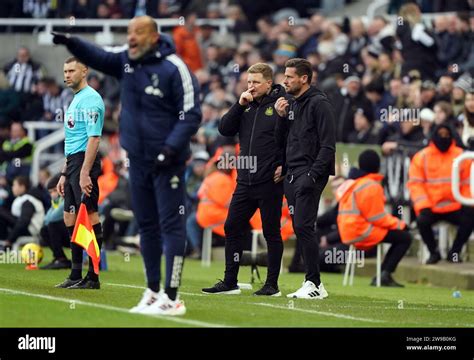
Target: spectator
(103,11)
(460,88)
(214,198)
(115,9)
(445,87)
(427,120)
(418,45)
(430,192)
(26,215)
(23,72)
(39,9)
(350,98)
(194,178)
(468,121)
(187,46)
(55,100)
(448,39)
(428,94)
(357,41)
(363,222)
(304,41)
(364,130)
(17,152)
(9,101)
(409,138)
(54,233)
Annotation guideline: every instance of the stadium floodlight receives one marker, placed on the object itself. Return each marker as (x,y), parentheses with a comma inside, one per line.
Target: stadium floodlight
(456,175)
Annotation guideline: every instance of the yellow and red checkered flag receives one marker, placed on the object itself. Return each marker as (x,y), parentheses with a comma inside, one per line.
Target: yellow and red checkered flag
(84,236)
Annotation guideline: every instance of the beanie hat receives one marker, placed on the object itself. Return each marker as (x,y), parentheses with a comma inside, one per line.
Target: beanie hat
(369,161)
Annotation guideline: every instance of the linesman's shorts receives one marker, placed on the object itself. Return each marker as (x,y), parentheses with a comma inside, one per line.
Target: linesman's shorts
(72,189)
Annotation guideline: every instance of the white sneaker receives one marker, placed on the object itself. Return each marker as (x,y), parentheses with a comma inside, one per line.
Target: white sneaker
(165,306)
(309,291)
(149,297)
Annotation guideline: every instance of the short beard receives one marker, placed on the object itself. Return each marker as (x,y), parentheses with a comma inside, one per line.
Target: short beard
(140,53)
(294,91)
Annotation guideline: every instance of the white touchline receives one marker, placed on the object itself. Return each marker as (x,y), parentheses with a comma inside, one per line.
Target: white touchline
(324,313)
(111,308)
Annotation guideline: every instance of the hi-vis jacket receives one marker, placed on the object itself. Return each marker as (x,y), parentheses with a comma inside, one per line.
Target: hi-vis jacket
(215,195)
(362,219)
(430,179)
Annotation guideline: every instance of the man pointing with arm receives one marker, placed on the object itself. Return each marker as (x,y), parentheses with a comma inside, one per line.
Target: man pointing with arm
(160,113)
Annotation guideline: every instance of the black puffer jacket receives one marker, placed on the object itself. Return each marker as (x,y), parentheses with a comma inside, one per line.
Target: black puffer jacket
(310,132)
(255,124)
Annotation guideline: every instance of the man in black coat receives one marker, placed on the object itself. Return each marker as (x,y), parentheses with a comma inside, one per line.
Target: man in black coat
(259,181)
(307,124)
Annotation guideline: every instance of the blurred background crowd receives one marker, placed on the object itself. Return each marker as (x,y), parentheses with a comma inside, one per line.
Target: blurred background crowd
(390,78)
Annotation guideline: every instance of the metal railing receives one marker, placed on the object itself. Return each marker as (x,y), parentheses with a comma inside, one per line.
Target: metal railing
(106,36)
(469,155)
(44,143)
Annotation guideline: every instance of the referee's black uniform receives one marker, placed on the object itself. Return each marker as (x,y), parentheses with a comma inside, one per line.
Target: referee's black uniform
(255,123)
(310,158)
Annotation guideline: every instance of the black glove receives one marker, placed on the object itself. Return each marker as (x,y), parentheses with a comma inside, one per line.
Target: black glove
(60,38)
(165,158)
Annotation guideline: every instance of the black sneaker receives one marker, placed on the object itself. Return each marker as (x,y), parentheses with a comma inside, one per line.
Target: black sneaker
(86,283)
(386,281)
(67,283)
(57,264)
(434,258)
(222,288)
(268,290)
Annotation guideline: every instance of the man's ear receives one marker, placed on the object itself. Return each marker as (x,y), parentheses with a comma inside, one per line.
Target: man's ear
(304,79)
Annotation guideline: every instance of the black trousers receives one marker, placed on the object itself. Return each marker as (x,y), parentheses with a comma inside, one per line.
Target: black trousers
(303,194)
(245,201)
(463,218)
(56,236)
(401,241)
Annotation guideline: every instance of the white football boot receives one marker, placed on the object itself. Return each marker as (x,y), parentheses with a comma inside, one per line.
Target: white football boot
(309,291)
(149,297)
(165,306)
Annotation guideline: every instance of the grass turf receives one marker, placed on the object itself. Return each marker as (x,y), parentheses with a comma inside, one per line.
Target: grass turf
(29,299)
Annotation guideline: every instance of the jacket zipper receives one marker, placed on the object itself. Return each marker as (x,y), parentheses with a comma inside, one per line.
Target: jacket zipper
(251,137)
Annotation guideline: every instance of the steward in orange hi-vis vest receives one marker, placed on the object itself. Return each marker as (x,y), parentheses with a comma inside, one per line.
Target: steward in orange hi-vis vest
(362,220)
(430,182)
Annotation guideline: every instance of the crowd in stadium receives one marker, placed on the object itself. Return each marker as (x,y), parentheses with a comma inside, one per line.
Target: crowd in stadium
(391,81)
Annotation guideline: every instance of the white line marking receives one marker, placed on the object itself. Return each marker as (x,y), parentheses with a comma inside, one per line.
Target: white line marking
(323,313)
(111,308)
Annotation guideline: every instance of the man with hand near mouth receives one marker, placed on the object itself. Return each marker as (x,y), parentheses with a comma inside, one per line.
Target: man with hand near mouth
(254,119)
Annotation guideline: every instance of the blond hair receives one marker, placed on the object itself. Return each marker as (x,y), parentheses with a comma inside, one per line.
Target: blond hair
(261,68)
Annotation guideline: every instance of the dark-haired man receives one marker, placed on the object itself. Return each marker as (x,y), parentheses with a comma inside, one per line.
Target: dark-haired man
(307,124)
(83,123)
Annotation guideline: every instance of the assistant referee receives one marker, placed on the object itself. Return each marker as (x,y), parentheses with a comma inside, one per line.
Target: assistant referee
(83,123)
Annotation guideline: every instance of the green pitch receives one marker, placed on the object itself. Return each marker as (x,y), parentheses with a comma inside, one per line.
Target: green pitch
(28,299)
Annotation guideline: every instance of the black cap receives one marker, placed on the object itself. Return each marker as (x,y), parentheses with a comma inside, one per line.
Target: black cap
(369,161)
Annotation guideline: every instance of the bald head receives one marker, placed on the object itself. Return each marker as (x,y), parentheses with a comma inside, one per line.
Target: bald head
(142,36)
